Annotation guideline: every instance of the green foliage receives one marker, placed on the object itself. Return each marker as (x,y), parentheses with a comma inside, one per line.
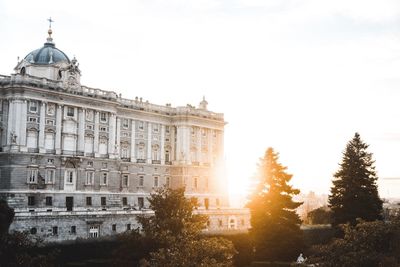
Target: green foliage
(275,224)
(354,193)
(173,217)
(19,249)
(172,236)
(217,252)
(321,215)
(366,244)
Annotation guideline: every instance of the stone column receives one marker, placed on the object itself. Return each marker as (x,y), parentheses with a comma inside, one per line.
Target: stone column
(42,124)
(220,143)
(179,143)
(11,114)
(186,144)
(22,122)
(96,134)
(162,144)
(198,144)
(81,131)
(58,129)
(133,141)
(118,146)
(210,146)
(149,135)
(111,135)
(172,156)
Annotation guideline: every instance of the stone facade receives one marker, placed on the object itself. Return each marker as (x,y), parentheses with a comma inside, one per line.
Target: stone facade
(80,162)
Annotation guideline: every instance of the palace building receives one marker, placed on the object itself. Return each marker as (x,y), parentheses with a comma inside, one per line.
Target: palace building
(80,162)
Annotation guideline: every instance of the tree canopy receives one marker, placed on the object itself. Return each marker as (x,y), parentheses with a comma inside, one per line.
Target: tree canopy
(274,221)
(173,235)
(368,244)
(354,193)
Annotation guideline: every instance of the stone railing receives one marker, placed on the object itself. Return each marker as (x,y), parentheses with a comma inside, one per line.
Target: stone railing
(137,103)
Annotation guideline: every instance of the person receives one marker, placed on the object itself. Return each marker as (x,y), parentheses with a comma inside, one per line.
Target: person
(301,259)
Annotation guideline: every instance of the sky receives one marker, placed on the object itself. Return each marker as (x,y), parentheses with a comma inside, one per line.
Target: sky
(301,76)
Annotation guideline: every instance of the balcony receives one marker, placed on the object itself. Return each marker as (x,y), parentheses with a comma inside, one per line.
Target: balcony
(141,161)
(156,161)
(168,163)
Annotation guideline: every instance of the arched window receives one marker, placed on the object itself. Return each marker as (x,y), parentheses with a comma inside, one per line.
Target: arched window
(155,155)
(232,223)
(32,139)
(22,71)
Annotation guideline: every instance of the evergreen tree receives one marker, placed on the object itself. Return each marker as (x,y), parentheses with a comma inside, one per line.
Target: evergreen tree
(275,223)
(354,193)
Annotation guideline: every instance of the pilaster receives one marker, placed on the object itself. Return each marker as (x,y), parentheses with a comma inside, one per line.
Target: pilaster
(162,143)
(111,136)
(149,134)
(81,131)
(96,134)
(133,141)
(22,122)
(42,123)
(58,129)
(118,138)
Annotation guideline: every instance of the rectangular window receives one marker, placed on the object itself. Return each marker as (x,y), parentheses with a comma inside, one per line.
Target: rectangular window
(89,127)
(104,178)
(141,127)
(31,200)
(94,231)
(32,176)
(89,178)
(50,176)
(73,229)
(70,177)
(167,182)
(50,161)
(156,181)
(167,129)
(124,153)
(114,227)
(33,119)
(70,111)
(90,163)
(49,201)
(124,201)
(103,129)
(125,179)
(55,230)
(128,227)
(103,201)
(104,165)
(141,180)
(88,201)
(195,183)
(140,202)
(50,122)
(33,106)
(103,117)
(155,128)
(125,123)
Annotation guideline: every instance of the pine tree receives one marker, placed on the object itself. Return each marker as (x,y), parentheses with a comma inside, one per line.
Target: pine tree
(275,225)
(354,193)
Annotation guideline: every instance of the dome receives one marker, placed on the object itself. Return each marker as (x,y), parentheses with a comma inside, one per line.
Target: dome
(46,55)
